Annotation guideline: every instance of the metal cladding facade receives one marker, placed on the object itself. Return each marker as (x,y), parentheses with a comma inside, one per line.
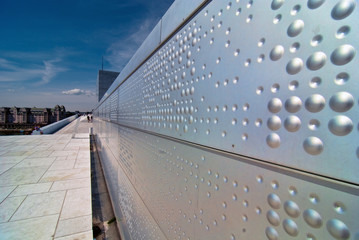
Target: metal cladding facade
(241,122)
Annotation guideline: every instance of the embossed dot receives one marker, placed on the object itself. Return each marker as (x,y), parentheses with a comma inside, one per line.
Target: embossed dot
(340,125)
(274,201)
(338,229)
(312,218)
(313,145)
(274,123)
(315,103)
(292,123)
(275,105)
(292,209)
(276,4)
(313,4)
(342,55)
(290,227)
(293,104)
(294,66)
(273,140)
(343,9)
(276,53)
(316,61)
(341,102)
(271,233)
(273,218)
(295,28)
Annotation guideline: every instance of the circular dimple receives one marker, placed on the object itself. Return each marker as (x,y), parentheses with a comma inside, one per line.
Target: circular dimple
(291,208)
(274,105)
(275,88)
(341,102)
(314,198)
(342,55)
(271,233)
(294,66)
(295,28)
(295,10)
(273,140)
(290,227)
(292,190)
(340,125)
(341,78)
(343,9)
(313,145)
(276,4)
(313,4)
(316,40)
(274,201)
(273,218)
(275,184)
(315,82)
(274,123)
(258,122)
(293,85)
(312,218)
(342,32)
(315,103)
(292,123)
(316,61)
(293,104)
(339,207)
(276,53)
(259,90)
(294,47)
(314,124)
(310,236)
(338,229)
(261,42)
(277,19)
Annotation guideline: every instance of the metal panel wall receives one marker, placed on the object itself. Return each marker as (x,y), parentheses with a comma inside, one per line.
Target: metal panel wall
(243,125)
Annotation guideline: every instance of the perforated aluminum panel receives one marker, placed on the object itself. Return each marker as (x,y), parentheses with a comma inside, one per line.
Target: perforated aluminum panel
(267,92)
(194,193)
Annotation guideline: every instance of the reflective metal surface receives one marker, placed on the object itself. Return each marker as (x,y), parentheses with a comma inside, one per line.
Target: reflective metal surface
(267,94)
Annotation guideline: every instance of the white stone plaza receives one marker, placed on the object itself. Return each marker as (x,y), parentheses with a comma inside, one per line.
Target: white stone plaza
(45,185)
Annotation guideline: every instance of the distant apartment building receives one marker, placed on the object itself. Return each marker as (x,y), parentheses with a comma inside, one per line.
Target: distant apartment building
(32,115)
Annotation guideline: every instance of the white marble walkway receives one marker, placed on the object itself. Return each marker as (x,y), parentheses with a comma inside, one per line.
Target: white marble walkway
(45,187)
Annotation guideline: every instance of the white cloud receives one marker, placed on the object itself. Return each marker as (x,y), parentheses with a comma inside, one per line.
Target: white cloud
(77,91)
(51,70)
(10,71)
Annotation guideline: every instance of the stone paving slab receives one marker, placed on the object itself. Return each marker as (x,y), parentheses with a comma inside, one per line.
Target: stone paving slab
(45,186)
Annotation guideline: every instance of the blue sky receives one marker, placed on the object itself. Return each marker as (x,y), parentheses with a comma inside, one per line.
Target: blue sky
(50,51)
